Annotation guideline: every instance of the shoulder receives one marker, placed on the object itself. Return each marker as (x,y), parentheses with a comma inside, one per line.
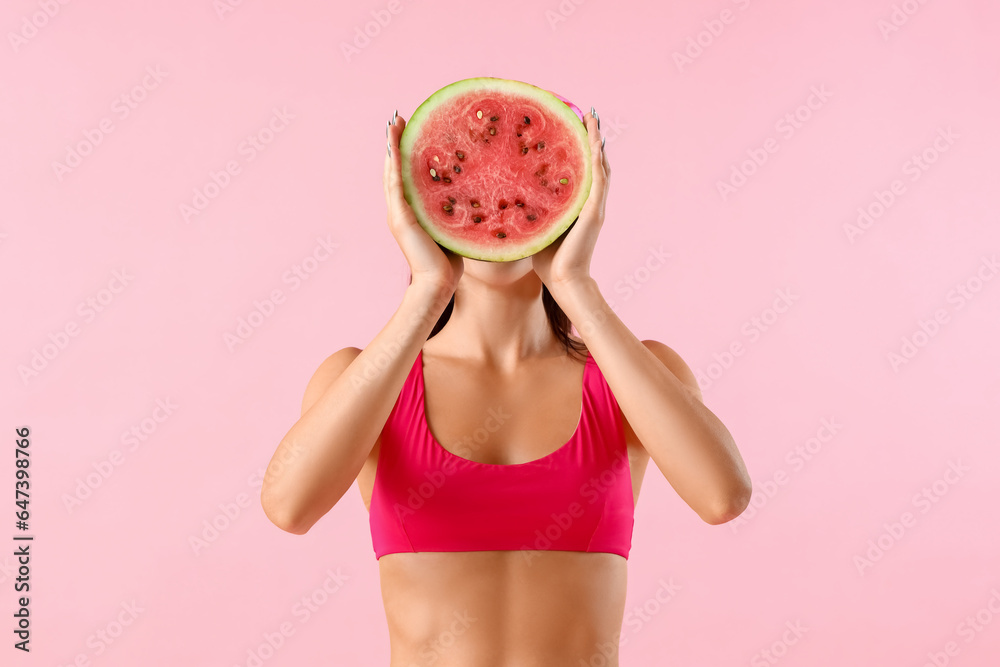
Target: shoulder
(675,364)
(328,371)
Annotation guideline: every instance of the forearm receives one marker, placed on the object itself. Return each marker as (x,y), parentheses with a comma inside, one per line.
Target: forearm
(322,454)
(689,444)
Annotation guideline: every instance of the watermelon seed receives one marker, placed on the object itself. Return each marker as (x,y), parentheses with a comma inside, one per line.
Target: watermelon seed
(477,219)
(433,172)
(451,199)
(564,181)
(493,130)
(501,235)
(532,216)
(458,170)
(447,180)
(436,159)
(518,203)
(494,118)
(447,207)
(503,203)
(524,150)
(460,155)
(479,115)
(527,121)
(518,134)
(541,145)
(474,203)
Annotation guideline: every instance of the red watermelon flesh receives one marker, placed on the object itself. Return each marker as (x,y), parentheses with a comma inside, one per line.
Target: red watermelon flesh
(495,169)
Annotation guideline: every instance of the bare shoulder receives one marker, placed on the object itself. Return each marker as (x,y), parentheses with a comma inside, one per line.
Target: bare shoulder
(675,364)
(329,370)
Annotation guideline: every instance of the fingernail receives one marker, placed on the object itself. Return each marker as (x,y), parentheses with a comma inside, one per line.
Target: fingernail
(387,126)
(394,114)
(603,139)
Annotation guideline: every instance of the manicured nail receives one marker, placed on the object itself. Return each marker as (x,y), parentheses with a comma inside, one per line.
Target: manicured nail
(394,114)
(387,126)
(603,139)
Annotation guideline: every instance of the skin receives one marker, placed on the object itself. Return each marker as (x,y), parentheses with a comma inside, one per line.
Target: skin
(501,608)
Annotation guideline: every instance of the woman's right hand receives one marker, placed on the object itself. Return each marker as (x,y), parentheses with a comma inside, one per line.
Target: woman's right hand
(429,262)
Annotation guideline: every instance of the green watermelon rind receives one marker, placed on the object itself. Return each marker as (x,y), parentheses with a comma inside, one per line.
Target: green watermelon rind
(551,103)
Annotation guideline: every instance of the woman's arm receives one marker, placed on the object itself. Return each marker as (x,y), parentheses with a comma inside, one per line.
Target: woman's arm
(660,398)
(345,407)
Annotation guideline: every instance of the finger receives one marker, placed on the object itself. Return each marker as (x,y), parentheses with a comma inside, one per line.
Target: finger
(395,171)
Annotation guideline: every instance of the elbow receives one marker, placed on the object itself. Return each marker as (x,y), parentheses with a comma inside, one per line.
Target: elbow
(733,505)
(282,518)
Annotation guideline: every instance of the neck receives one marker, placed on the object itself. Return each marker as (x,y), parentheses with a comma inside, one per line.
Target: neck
(499,324)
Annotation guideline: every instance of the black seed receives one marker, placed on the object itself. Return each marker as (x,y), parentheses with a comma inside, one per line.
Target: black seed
(458,170)
(532,216)
(447,207)
(460,154)
(503,203)
(451,199)
(519,203)
(435,178)
(527,121)
(447,180)
(541,145)
(494,118)
(518,134)
(501,235)
(477,219)
(524,150)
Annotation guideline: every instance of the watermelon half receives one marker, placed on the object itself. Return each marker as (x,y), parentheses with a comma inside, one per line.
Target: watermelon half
(495,169)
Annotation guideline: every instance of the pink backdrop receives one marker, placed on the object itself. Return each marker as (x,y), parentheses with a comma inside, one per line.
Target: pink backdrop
(803,206)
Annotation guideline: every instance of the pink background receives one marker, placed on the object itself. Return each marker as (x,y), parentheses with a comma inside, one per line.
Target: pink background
(674,131)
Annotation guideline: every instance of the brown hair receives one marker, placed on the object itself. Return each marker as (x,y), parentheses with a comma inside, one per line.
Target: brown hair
(558,320)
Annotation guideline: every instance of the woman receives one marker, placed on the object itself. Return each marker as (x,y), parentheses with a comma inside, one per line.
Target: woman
(506,546)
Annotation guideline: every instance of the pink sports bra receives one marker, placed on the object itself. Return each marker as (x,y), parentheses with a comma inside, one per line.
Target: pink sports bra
(578,498)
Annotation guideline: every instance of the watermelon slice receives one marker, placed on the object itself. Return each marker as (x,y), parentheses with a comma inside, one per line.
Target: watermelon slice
(495,169)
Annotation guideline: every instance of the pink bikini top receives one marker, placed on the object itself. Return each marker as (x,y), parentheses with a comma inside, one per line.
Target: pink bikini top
(578,498)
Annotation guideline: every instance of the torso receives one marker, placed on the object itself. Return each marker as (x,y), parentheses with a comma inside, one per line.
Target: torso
(482,608)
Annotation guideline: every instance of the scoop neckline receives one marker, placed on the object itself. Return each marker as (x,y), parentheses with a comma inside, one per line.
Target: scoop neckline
(427,427)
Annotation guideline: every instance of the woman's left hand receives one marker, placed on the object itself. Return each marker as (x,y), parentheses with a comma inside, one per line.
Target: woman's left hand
(567,259)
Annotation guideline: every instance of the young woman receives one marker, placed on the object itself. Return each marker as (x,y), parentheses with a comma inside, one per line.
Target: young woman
(500,458)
